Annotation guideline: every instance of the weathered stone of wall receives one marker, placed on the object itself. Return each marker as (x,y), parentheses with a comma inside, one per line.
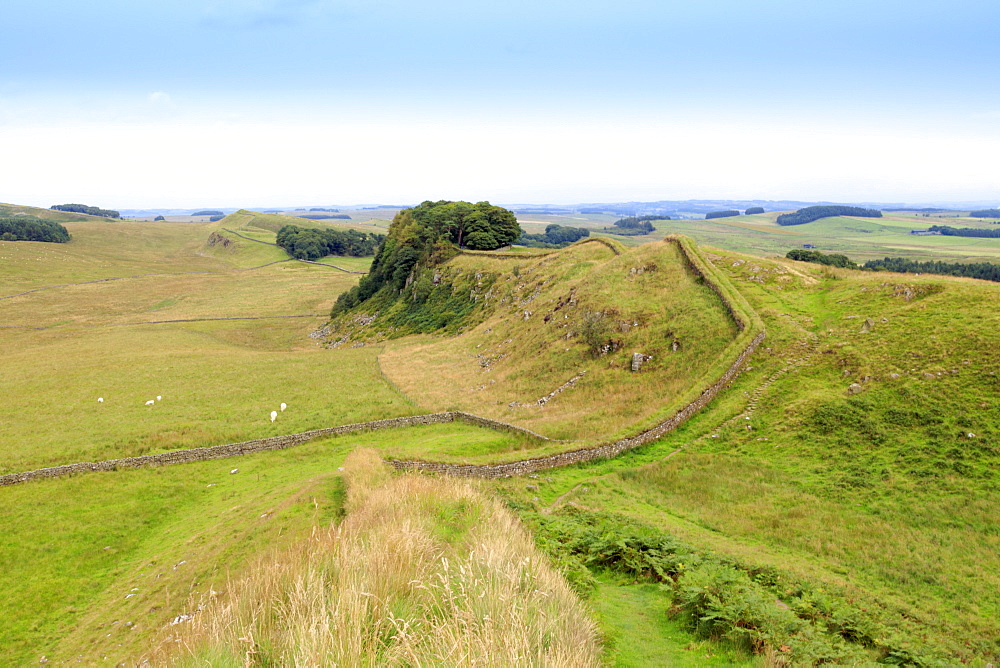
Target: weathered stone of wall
(260,445)
(587,454)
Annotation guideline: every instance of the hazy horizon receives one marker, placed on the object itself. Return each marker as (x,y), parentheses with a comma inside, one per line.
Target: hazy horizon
(267,102)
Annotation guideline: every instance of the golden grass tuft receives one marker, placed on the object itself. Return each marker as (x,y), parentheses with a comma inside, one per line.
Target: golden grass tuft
(423,571)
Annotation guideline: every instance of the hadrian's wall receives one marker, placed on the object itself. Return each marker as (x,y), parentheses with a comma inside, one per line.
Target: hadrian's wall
(258,445)
(526,466)
(469,470)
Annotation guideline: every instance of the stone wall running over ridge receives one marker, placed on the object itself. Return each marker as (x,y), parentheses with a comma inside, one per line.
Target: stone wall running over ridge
(259,445)
(747,321)
(751,333)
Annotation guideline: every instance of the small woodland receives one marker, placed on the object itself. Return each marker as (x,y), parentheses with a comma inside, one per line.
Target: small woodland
(950,231)
(312,243)
(985,213)
(811,213)
(729,213)
(29,228)
(555,236)
(89,210)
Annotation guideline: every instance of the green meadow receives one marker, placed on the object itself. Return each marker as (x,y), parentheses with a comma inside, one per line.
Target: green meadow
(860,239)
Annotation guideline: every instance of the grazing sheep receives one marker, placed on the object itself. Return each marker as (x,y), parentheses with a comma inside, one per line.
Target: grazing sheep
(283,406)
(274,415)
(158,397)
(100,400)
(151,402)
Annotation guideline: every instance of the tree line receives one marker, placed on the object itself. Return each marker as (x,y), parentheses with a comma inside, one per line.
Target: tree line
(982,270)
(721,214)
(83,208)
(986,271)
(949,231)
(555,236)
(811,213)
(29,228)
(830,259)
(312,243)
(985,213)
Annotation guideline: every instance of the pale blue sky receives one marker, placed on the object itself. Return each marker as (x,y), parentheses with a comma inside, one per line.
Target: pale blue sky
(236,102)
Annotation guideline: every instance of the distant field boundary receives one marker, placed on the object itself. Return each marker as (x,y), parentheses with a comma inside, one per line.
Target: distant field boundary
(751,333)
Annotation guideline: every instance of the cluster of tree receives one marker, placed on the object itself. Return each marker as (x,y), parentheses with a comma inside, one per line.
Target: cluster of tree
(319,208)
(29,228)
(323,216)
(556,236)
(985,213)
(426,235)
(208,212)
(83,208)
(983,270)
(216,218)
(753,210)
(811,213)
(311,243)
(158,218)
(721,214)
(831,259)
(949,231)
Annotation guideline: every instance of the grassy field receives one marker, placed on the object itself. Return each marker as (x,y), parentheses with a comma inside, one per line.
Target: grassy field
(534,341)
(860,239)
(881,497)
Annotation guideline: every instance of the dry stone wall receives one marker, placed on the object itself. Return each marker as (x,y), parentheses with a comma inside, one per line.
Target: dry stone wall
(259,445)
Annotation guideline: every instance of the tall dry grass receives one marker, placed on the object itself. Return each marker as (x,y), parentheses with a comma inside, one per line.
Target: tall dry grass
(423,571)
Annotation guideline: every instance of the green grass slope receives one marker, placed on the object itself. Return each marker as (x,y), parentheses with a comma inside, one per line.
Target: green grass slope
(856,458)
(542,320)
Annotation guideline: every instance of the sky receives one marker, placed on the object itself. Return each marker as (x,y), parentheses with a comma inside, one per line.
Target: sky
(264,103)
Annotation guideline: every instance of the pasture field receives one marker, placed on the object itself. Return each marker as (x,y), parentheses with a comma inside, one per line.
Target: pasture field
(886,497)
(860,239)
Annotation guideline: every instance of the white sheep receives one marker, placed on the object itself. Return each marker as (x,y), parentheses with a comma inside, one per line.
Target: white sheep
(274,415)
(158,397)
(151,402)
(283,406)
(100,400)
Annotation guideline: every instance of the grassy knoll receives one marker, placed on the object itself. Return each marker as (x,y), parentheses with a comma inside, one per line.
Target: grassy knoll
(547,319)
(882,497)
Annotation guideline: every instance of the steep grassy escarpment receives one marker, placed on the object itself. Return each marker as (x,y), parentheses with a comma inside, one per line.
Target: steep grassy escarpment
(556,335)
